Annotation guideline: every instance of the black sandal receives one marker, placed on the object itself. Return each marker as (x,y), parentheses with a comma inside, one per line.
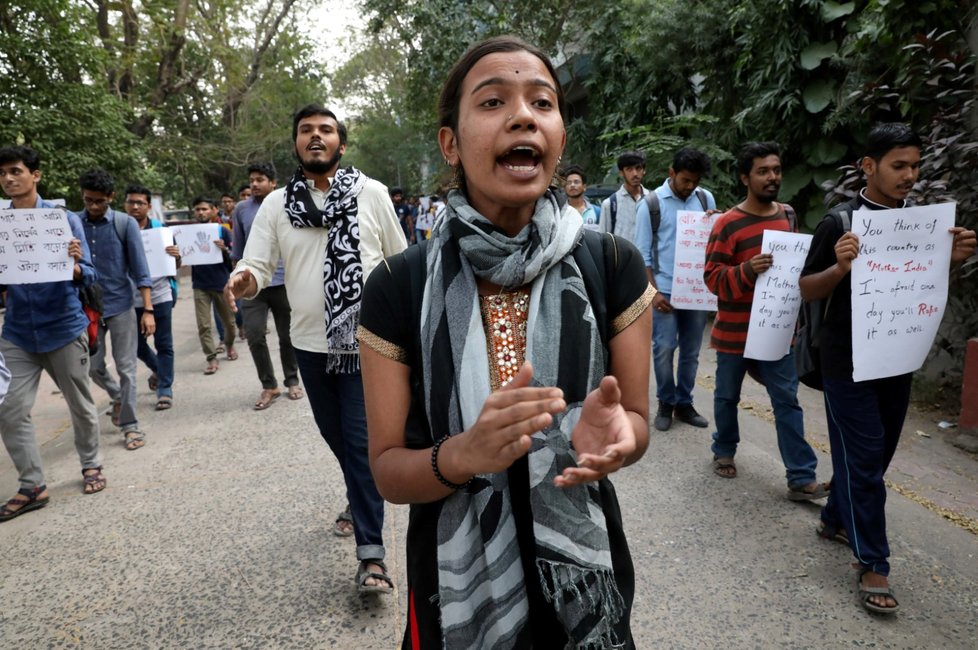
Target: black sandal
(338,528)
(363,574)
(32,503)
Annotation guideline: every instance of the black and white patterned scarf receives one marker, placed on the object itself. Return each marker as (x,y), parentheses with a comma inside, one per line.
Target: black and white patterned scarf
(342,270)
(482,597)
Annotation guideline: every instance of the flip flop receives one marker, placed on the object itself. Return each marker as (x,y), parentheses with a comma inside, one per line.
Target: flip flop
(211,368)
(163,403)
(265,399)
(232,354)
(295,392)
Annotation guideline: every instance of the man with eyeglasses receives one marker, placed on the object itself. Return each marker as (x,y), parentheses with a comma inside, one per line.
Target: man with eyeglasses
(163,294)
(117,252)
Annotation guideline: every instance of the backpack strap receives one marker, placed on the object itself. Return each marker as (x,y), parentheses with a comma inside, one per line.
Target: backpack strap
(613,207)
(842,214)
(792,216)
(121,227)
(701,195)
(593,256)
(655,220)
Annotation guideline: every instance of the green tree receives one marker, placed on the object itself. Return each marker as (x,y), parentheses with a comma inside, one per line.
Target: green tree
(47,100)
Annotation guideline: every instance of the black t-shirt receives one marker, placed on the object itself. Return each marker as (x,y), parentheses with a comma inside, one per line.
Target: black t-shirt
(392,323)
(835,333)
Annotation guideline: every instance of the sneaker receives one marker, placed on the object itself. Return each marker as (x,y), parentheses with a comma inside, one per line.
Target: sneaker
(686,413)
(663,419)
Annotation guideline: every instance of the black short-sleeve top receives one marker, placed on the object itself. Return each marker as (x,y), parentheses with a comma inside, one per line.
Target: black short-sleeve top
(390,325)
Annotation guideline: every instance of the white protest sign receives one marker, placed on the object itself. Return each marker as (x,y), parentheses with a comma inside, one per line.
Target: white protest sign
(155,241)
(196,242)
(34,246)
(777,298)
(688,289)
(899,287)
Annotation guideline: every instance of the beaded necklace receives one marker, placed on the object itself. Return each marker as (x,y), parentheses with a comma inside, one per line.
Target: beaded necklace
(504,319)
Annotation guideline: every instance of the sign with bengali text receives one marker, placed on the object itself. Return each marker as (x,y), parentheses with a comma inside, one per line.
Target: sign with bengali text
(689,291)
(34,246)
(899,287)
(777,298)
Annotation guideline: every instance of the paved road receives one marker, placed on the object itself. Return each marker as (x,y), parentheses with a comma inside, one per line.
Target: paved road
(216,535)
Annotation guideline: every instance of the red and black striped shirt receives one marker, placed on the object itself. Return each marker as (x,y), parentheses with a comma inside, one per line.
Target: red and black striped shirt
(735,239)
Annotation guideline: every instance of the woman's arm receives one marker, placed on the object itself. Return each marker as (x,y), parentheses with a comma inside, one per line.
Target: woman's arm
(500,435)
(614,430)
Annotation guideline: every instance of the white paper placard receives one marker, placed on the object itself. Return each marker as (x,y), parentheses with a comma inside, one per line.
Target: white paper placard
(34,246)
(777,298)
(196,242)
(899,287)
(155,241)
(689,291)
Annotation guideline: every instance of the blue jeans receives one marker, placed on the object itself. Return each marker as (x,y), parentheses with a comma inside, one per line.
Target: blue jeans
(781,380)
(337,405)
(160,361)
(865,419)
(683,329)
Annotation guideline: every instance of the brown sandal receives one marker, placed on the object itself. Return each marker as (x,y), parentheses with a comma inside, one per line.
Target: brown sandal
(95,482)
(724,467)
(266,398)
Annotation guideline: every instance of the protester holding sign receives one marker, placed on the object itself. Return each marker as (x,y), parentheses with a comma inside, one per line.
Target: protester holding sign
(864,417)
(160,361)
(45,329)
(208,283)
(733,263)
(658,229)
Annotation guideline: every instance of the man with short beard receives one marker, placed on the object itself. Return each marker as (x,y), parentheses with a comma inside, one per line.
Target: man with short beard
(733,263)
(254,312)
(331,226)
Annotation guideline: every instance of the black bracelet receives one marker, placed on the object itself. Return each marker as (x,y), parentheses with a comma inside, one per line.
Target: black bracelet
(147,311)
(434,467)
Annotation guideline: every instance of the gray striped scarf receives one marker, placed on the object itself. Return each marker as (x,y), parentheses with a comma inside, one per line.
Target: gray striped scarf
(482,596)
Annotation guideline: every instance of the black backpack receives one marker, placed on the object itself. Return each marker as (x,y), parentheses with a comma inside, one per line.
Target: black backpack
(810,317)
